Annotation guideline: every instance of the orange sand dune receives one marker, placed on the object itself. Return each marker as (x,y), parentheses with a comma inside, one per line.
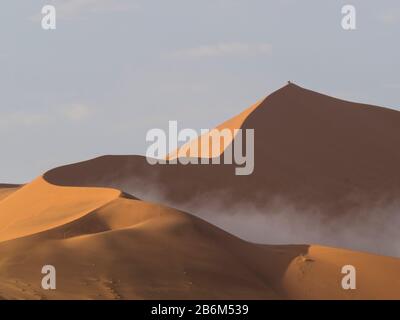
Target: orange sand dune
(39,206)
(130,249)
(105,246)
(317,275)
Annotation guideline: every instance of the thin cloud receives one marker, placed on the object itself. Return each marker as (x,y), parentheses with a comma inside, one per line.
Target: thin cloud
(392,85)
(391,17)
(22,119)
(225,49)
(76,112)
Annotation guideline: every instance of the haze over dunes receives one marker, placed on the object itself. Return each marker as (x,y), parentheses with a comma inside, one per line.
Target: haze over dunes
(114,227)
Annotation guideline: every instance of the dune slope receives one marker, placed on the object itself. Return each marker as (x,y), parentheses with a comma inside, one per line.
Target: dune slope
(128,249)
(113,247)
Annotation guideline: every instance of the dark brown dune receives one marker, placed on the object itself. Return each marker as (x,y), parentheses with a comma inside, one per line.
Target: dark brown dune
(9,185)
(310,149)
(6,189)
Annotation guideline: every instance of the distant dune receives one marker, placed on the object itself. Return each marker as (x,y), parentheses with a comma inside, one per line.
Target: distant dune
(7,189)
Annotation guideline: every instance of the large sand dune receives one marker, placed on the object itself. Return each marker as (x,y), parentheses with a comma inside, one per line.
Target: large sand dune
(310,149)
(107,246)
(324,167)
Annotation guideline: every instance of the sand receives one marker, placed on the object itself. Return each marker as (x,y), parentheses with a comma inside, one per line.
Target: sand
(317,275)
(107,246)
(39,206)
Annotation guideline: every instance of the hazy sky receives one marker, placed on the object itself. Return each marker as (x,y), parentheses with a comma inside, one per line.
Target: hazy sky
(114,69)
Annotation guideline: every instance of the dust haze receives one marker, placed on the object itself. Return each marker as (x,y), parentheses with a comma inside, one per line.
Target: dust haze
(373,229)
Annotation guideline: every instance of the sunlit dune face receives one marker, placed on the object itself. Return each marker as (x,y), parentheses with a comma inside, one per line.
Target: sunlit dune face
(198,147)
(317,275)
(39,206)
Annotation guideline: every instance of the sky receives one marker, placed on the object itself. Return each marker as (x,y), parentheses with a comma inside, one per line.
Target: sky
(114,69)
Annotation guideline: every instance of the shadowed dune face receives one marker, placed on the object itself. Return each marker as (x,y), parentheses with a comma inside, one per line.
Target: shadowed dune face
(329,164)
(9,186)
(323,150)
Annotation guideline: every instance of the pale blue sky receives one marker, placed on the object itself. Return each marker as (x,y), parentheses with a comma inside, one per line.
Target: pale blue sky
(114,69)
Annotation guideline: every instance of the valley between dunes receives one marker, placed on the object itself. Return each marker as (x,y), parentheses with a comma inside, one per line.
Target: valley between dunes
(106,244)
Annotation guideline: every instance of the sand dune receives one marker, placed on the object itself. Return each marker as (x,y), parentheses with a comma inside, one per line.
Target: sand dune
(331,163)
(39,206)
(316,275)
(310,149)
(130,249)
